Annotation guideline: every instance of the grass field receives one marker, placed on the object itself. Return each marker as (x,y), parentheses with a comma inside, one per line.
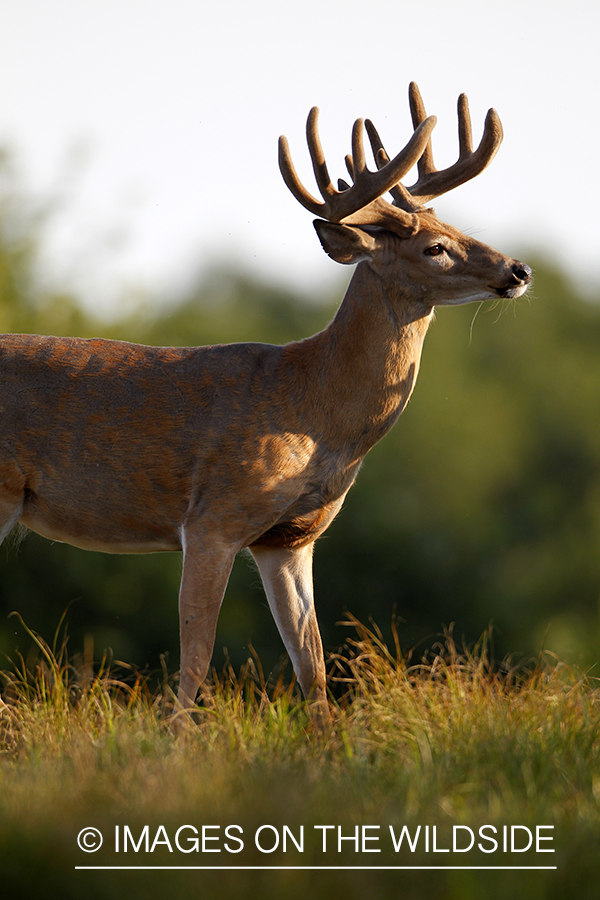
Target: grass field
(440,747)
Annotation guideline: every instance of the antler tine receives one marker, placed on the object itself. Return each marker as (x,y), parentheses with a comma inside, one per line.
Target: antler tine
(417,110)
(359,164)
(465,133)
(290,177)
(317,156)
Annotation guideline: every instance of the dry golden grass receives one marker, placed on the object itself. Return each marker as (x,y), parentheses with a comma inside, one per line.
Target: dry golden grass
(448,740)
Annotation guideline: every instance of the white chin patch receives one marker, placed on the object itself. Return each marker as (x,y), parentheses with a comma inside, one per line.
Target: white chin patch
(513,293)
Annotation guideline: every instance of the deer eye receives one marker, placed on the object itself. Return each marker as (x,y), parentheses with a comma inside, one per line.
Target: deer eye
(434,250)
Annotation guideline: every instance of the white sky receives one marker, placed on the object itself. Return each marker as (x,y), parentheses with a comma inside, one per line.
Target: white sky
(179,103)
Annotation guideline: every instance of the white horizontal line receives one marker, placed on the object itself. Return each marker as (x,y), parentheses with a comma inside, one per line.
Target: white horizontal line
(327,868)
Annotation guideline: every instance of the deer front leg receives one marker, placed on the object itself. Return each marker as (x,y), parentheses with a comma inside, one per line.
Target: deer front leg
(287,578)
(206,569)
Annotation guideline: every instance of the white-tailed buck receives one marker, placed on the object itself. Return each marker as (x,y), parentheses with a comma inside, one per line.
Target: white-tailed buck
(126,448)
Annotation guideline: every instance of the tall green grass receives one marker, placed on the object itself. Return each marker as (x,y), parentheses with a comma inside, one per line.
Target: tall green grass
(442,741)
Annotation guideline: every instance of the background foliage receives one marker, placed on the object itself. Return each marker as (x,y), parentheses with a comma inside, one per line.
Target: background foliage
(483,504)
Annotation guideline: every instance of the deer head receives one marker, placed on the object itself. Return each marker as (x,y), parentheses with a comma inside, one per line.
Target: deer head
(435,262)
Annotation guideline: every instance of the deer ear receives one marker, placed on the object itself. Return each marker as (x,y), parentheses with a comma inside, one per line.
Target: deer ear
(343,243)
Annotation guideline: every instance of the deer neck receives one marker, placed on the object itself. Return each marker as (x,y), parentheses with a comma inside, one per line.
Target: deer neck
(371,356)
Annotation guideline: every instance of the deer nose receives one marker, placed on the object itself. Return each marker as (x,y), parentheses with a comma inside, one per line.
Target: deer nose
(522,273)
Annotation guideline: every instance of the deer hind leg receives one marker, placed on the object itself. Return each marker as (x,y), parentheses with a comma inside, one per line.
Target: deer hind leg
(206,569)
(11,508)
(287,578)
